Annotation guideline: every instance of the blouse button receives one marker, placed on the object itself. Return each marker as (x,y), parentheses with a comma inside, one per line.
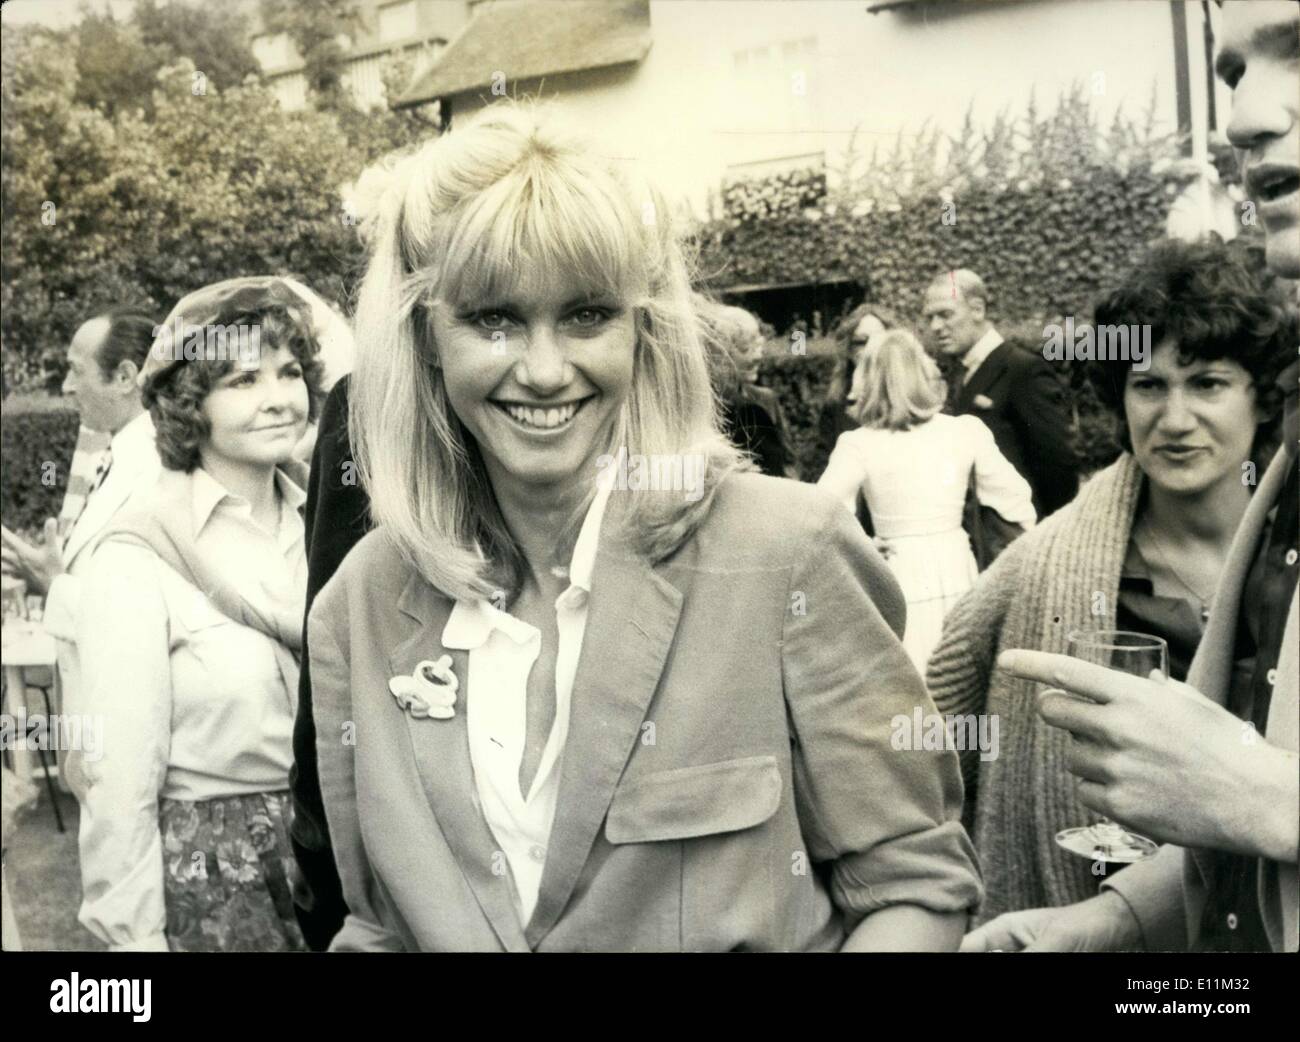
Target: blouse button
(537,853)
(1232,920)
(1271,677)
(1291,556)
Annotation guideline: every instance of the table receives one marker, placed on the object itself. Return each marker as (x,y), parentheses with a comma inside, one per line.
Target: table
(23,644)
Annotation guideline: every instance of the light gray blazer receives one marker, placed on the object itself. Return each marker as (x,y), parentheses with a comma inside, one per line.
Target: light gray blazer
(765,809)
(1168,892)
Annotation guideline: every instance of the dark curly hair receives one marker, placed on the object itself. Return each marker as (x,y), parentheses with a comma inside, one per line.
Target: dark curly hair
(889,318)
(1215,300)
(174,399)
(843,334)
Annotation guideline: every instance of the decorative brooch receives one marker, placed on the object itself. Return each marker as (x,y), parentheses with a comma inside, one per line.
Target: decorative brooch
(430,690)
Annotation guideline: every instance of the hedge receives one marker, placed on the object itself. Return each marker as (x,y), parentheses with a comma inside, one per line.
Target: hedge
(801,383)
(36,448)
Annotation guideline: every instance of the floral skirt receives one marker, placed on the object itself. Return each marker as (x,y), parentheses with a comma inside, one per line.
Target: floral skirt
(228,874)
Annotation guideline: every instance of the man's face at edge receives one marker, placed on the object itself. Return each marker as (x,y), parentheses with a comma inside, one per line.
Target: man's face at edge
(1259,58)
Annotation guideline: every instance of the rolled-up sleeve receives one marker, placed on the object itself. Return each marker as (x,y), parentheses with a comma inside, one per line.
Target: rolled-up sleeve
(886,819)
(127,701)
(363,928)
(1153,891)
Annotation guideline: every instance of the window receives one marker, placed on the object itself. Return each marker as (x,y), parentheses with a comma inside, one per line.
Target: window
(398,21)
(775,87)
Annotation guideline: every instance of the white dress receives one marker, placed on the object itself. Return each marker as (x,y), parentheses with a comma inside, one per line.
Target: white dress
(915,484)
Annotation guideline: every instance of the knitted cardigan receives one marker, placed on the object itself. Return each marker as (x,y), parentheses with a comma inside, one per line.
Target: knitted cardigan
(1062,575)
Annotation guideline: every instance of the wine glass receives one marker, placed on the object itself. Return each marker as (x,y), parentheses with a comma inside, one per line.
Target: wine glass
(1139,654)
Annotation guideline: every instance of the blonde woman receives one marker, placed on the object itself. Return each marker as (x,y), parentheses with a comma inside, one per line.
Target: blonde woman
(913,466)
(542,723)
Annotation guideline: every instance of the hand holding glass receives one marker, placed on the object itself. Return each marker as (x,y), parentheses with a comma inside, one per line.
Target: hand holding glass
(1139,654)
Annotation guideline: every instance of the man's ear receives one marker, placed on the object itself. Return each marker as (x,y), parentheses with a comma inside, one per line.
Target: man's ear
(125,376)
(976,308)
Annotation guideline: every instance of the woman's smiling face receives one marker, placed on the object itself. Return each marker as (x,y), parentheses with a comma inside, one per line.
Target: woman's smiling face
(538,376)
(257,415)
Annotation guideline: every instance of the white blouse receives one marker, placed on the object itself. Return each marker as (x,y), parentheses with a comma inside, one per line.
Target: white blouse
(502,652)
(193,705)
(915,481)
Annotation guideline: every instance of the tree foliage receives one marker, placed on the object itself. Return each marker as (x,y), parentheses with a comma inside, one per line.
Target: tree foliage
(141,209)
(113,197)
(118,61)
(319,30)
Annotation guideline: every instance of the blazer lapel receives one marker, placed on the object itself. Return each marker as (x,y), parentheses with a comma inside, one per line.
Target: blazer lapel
(983,378)
(103,503)
(1211,669)
(135,466)
(632,618)
(441,750)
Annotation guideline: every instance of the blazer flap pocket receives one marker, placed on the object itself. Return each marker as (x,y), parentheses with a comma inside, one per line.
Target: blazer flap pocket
(695,801)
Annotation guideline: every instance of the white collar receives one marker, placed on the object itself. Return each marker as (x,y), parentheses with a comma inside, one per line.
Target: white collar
(136,434)
(981,349)
(206,492)
(471,622)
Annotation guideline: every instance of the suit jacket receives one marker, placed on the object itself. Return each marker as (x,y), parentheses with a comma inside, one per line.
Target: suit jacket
(134,471)
(1027,413)
(337,515)
(728,779)
(1168,892)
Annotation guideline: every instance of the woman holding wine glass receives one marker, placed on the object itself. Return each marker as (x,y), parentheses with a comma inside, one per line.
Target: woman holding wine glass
(1139,550)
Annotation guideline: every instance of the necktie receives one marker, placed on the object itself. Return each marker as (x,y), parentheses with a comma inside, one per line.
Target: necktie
(101,472)
(955,377)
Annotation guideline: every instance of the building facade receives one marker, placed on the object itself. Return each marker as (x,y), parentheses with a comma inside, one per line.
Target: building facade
(712,90)
(414,32)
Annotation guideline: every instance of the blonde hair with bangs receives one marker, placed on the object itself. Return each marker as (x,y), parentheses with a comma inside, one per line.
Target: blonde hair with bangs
(472,215)
(901,384)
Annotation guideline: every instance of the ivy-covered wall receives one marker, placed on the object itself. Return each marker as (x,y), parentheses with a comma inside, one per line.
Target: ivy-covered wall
(1045,207)
(1042,248)
(1049,208)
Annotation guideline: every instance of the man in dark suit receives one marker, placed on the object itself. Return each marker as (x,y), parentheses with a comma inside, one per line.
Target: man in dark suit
(337,516)
(1010,387)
